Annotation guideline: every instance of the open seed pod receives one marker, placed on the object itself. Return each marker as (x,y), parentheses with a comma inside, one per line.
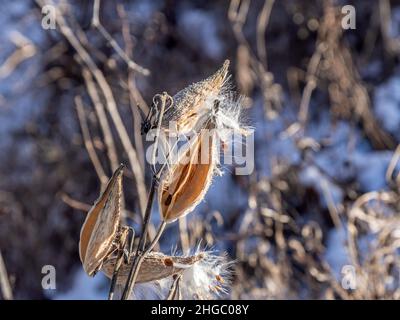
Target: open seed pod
(190,103)
(101,227)
(155,266)
(185,183)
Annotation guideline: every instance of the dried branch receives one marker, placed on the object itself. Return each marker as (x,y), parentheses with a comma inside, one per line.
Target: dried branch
(102,117)
(26,49)
(141,251)
(110,102)
(88,142)
(262,22)
(78,205)
(96,23)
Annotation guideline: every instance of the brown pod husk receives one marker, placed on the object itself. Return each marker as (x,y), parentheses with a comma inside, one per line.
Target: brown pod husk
(155,266)
(185,183)
(100,229)
(189,102)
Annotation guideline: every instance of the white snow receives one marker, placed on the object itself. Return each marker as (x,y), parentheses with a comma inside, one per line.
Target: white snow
(387,105)
(336,254)
(83,288)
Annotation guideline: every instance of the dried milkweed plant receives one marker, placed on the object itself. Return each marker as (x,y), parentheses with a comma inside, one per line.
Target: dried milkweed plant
(206,110)
(316,219)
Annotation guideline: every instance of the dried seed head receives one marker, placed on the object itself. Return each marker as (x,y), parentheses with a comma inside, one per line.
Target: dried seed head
(189,103)
(185,184)
(155,266)
(101,225)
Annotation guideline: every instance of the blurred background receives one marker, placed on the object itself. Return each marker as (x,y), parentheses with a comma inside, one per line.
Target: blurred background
(319,214)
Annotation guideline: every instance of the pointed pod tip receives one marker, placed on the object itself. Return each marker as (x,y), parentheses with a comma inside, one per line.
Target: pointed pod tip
(220,75)
(119,170)
(226,64)
(225,67)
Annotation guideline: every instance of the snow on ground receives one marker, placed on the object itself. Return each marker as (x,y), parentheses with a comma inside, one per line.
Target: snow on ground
(83,287)
(387,105)
(336,254)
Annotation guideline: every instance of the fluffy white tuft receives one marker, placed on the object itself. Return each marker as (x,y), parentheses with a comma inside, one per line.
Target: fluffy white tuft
(207,279)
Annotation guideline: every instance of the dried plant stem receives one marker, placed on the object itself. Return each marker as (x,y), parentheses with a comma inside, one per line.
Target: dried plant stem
(122,254)
(88,142)
(392,166)
(137,262)
(104,125)
(75,204)
(156,238)
(136,100)
(4,281)
(25,50)
(102,117)
(333,211)
(141,252)
(237,15)
(105,88)
(262,22)
(85,207)
(115,275)
(96,23)
(183,233)
(157,136)
(310,85)
(155,178)
(173,292)
(147,215)
(136,121)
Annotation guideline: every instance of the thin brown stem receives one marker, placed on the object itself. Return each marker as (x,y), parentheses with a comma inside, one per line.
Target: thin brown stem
(105,88)
(174,287)
(142,241)
(183,234)
(96,23)
(78,205)
(88,142)
(102,117)
(137,262)
(135,97)
(262,22)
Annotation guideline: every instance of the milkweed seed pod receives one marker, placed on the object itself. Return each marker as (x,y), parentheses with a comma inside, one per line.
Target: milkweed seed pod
(155,266)
(215,114)
(189,103)
(101,230)
(185,184)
